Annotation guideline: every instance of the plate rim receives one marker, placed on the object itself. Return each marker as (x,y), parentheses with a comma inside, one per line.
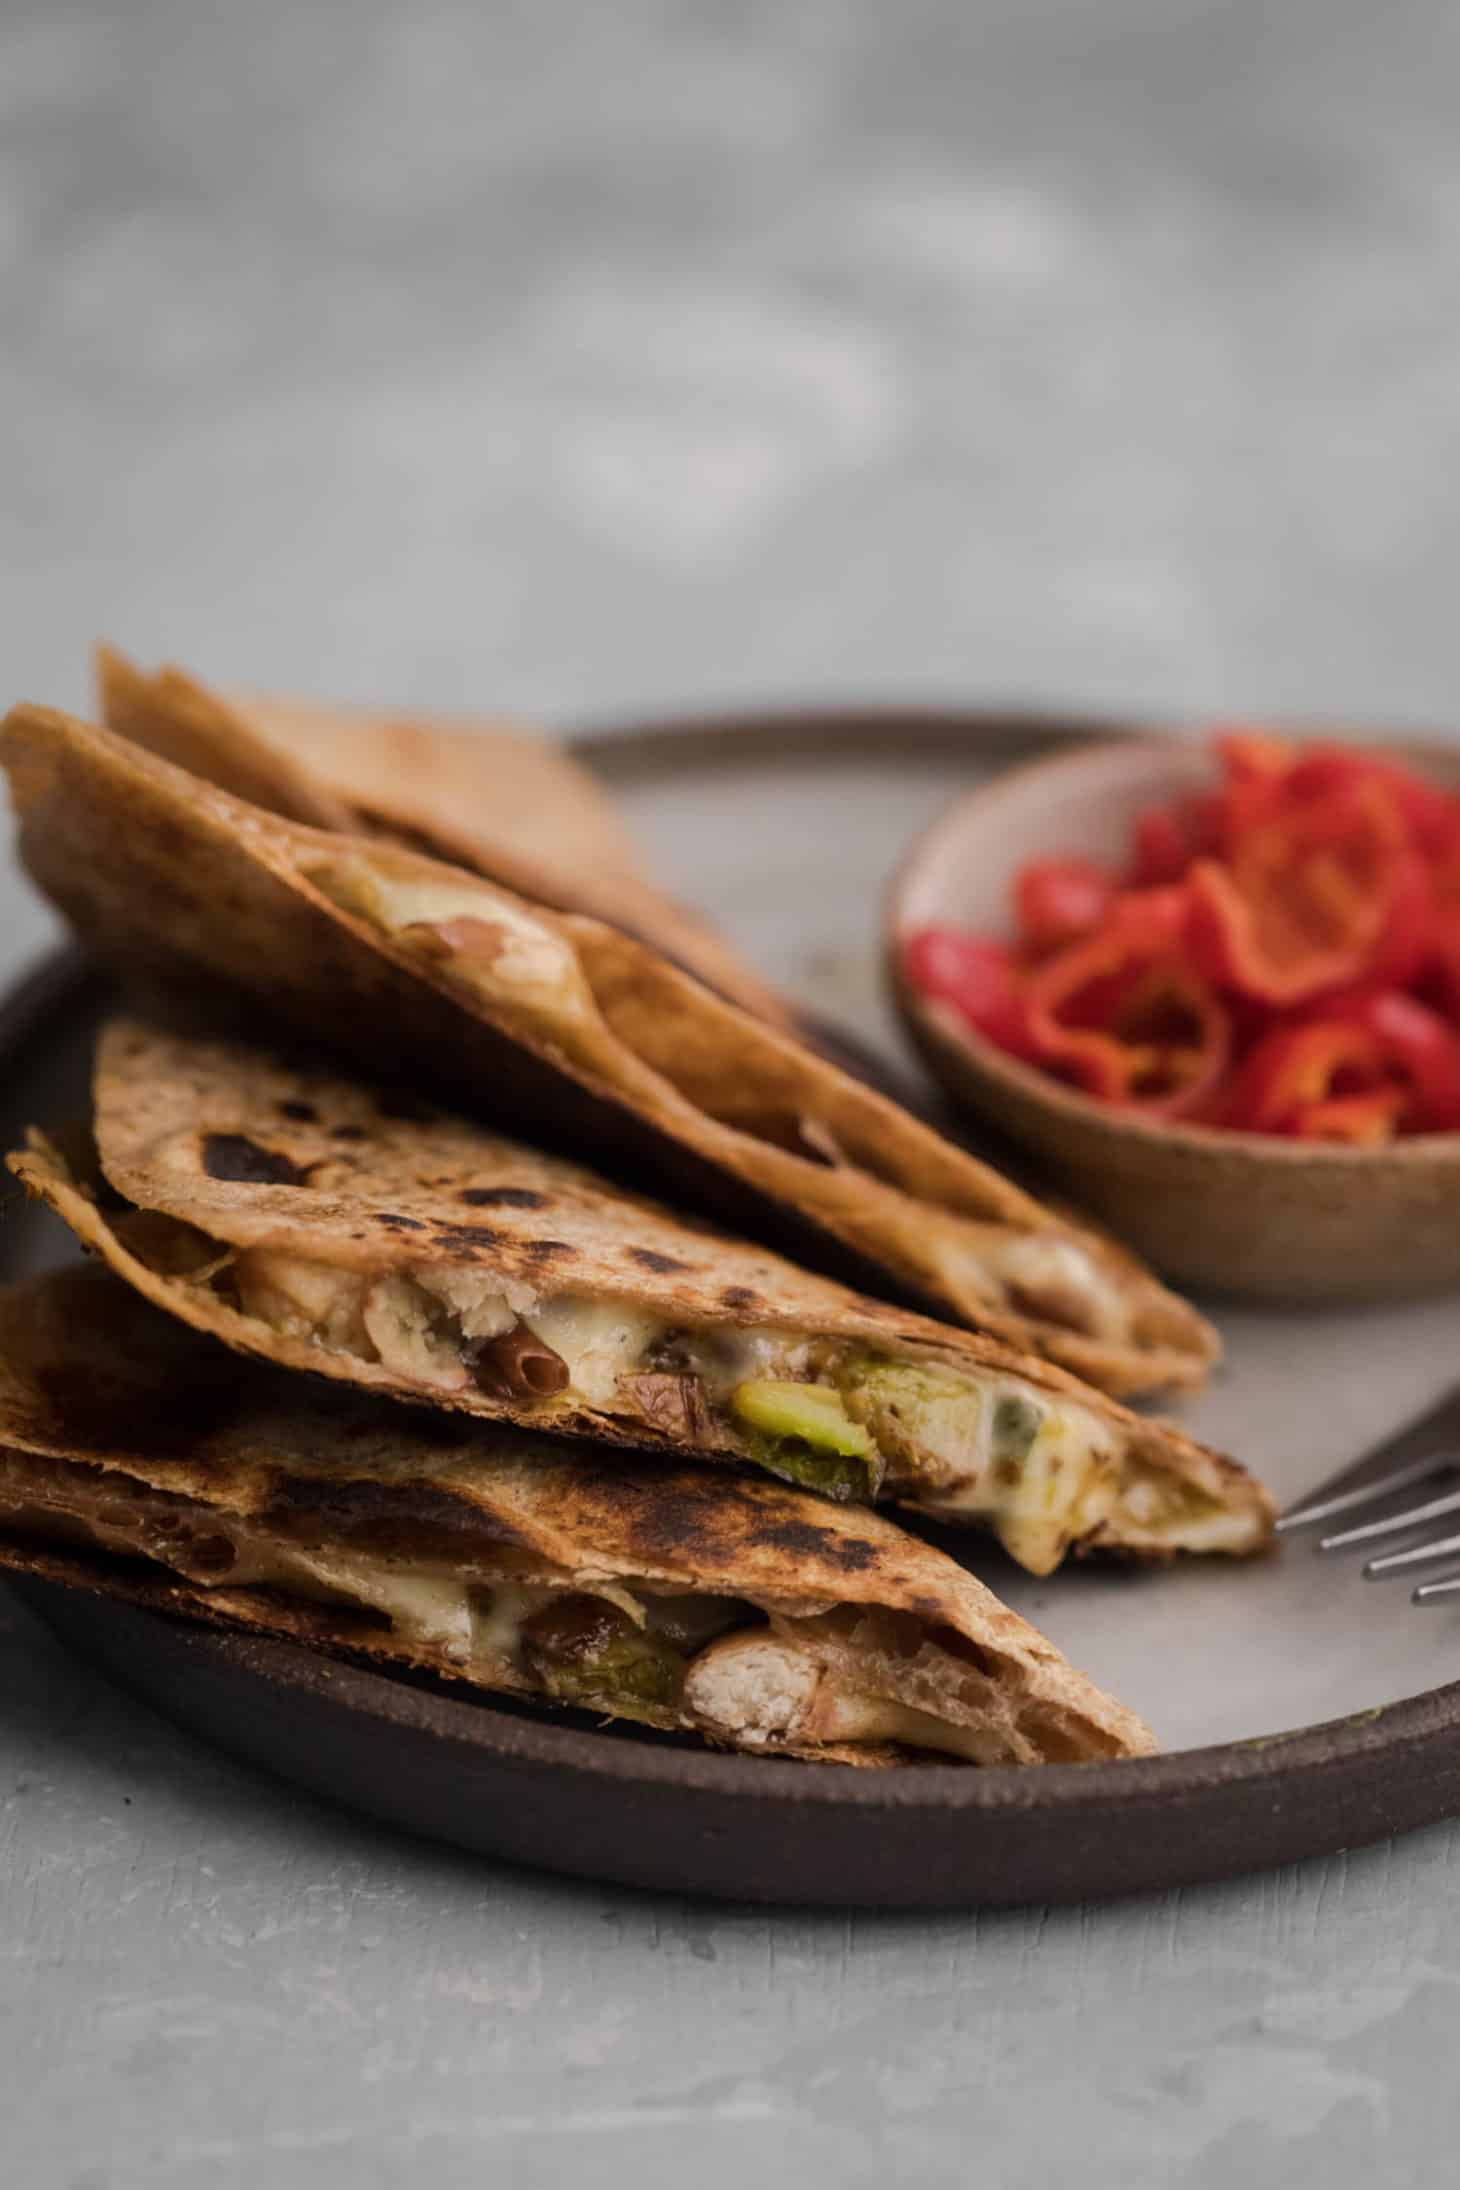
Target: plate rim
(1362,1749)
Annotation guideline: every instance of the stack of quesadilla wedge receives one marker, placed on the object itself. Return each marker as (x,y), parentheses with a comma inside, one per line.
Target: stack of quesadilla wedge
(137,1459)
(564,1028)
(482,1411)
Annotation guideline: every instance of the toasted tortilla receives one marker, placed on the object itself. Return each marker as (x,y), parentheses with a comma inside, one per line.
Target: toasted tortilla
(504,803)
(325,1225)
(569,1030)
(140,1459)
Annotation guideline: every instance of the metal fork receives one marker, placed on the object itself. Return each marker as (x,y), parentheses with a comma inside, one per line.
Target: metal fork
(1425,1455)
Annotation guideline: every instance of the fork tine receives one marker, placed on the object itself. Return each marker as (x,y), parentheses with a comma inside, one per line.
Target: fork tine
(1374,1570)
(1390,1526)
(1436,1592)
(1368,1494)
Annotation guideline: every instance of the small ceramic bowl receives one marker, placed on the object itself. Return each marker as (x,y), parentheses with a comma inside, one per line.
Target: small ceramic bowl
(1244,1213)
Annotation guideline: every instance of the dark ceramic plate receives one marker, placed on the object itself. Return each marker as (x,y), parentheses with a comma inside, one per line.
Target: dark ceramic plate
(783,828)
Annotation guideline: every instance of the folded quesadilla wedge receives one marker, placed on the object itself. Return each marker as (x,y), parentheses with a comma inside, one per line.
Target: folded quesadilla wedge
(570,1030)
(139,1458)
(304,1219)
(503,803)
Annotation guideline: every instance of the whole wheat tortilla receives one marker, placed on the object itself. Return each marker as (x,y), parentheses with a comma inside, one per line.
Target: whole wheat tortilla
(250,1150)
(504,803)
(100,1395)
(560,1027)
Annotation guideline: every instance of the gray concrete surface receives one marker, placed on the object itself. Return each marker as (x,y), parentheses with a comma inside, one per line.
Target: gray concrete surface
(588,360)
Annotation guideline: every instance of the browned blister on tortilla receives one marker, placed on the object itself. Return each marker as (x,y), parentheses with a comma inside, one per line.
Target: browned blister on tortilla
(563,1027)
(140,1459)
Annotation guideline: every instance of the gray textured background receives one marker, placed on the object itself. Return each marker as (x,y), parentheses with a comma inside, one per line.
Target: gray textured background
(594,359)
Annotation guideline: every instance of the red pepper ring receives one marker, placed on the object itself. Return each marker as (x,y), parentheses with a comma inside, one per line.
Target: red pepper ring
(1373,1064)
(1057,900)
(1359,1121)
(1168,838)
(1428,811)
(1165,1052)
(1314,895)
(1296,1067)
(1255,772)
(1420,1053)
(1123,1016)
(977,979)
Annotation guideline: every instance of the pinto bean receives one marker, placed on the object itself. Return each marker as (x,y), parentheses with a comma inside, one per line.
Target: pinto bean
(519,1366)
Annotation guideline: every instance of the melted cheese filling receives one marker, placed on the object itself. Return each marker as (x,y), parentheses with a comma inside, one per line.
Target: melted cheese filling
(600,1340)
(527,959)
(1040,1472)
(422,1323)
(938,1431)
(1040,1274)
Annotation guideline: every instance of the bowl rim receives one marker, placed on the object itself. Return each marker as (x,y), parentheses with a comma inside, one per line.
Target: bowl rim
(945,1031)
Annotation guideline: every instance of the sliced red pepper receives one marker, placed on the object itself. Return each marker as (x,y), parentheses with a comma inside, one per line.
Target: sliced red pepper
(1408,935)
(1295,1067)
(1059,899)
(1124,1016)
(1430,814)
(1419,1051)
(1311,898)
(1255,767)
(1441,982)
(1282,954)
(1353,1048)
(1359,1121)
(1252,756)
(982,981)
(1162,853)
(1439,972)
(1169,838)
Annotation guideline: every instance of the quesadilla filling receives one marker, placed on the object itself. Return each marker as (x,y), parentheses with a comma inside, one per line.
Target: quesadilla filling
(520,962)
(762,1675)
(1042,1274)
(1039,1469)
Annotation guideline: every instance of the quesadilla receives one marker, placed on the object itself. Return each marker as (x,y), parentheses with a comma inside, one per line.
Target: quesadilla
(570,1030)
(138,1459)
(500,802)
(306,1219)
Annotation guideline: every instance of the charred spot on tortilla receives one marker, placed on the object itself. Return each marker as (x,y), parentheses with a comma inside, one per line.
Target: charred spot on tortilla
(364,1510)
(806,1539)
(549,1250)
(716,1517)
(502,1197)
(465,1235)
(347,1133)
(301,1113)
(648,1258)
(235,1158)
(395,1223)
(740,1296)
